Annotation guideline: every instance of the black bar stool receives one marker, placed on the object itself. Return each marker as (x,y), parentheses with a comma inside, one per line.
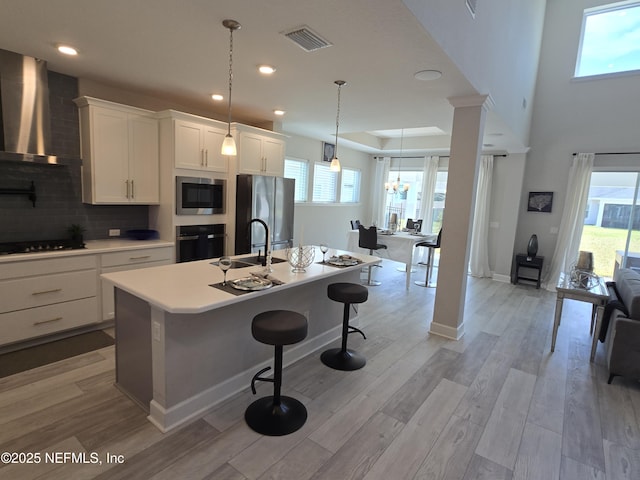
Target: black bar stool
(368,238)
(278,414)
(432,247)
(344,358)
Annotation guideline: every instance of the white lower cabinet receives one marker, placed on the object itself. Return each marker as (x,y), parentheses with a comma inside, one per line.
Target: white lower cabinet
(128,260)
(41,297)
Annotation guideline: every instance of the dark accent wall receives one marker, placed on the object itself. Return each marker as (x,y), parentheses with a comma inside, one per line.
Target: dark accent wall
(58,188)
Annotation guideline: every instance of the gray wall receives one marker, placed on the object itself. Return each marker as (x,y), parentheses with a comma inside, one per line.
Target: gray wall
(596,115)
(58,188)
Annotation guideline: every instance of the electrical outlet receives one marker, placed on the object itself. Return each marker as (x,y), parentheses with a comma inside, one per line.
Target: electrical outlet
(156,331)
(114,232)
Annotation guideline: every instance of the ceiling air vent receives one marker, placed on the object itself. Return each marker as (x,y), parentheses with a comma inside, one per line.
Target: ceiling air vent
(471,5)
(306,38)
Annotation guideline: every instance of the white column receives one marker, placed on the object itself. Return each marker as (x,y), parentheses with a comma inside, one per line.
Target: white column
(466,144)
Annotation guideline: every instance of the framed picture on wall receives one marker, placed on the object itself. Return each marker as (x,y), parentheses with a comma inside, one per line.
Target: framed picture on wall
(540,202)
(328,151)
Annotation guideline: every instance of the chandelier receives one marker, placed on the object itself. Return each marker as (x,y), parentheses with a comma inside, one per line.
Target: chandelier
(395,186)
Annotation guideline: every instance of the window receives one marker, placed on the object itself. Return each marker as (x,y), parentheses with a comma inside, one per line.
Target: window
(610,41)
(406,204)
(325,183)
(612,222)
(299,170)
(350,186)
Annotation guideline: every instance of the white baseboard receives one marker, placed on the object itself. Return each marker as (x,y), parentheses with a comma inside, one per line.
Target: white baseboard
(447,331)
(166,419)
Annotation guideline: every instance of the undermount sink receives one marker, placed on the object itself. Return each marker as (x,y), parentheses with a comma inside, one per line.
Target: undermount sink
(249,262)
(255,261)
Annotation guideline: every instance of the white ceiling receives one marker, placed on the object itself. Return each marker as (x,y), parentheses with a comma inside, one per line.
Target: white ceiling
(178,49)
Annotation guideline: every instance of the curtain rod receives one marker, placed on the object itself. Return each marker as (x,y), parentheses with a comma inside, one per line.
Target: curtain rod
(613,153)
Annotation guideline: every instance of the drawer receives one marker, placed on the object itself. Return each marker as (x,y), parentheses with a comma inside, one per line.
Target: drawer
(30,268)
(46,290)
(35,322)
(132,257)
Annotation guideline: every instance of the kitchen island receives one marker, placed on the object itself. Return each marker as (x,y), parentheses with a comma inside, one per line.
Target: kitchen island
(183,345)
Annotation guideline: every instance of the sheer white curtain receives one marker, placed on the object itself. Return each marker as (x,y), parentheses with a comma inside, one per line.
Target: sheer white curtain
(429,176)
(572,218)
(479,252)
(378,194)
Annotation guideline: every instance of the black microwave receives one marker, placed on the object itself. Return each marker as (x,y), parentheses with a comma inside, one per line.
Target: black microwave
(200,196)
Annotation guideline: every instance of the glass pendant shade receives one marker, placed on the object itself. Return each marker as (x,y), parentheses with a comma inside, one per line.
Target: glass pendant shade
(229,146)
(335,165)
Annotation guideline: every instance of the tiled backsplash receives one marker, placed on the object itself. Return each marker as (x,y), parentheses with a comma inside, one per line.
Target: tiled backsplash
(58,188)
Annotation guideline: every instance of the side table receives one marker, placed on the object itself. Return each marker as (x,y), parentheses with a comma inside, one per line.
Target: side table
(598,296)
(522,260)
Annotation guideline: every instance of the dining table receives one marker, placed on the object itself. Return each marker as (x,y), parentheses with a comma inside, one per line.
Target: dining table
(400,246)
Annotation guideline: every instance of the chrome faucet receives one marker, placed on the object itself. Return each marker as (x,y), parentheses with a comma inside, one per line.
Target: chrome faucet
(267,247)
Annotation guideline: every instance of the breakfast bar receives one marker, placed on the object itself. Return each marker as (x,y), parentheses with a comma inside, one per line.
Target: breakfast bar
(184,344)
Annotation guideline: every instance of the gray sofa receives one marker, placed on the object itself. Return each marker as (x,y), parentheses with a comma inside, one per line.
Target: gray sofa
(621,325)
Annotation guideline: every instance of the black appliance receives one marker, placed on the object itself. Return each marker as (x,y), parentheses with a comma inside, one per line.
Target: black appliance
(200,196)
(270,199)
(39,246)
(199,242)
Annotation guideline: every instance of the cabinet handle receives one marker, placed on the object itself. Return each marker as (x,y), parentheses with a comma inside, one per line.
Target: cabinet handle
(47,291)
(132,190)
(142,257)
(127,184)
(202,157)
(206,158)
(48,321)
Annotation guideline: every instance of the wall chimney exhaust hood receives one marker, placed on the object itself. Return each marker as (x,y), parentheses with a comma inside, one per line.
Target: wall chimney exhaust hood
(25,126)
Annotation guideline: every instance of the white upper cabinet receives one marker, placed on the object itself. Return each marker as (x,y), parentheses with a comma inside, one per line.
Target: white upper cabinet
(119,147)
(198,146)
(260,152)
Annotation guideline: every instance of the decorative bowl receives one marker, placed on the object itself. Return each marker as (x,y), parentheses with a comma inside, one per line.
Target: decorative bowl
(300,257)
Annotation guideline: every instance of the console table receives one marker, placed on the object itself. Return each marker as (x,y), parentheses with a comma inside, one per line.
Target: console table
(522,260)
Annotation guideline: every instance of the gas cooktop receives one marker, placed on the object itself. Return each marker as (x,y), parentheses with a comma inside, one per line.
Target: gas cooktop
(38,246)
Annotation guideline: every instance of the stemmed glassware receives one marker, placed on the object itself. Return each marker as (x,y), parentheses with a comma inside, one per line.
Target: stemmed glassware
(225,264)
(324,248)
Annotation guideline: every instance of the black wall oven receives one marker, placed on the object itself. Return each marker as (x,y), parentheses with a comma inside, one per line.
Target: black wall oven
(199,242)
(200,196)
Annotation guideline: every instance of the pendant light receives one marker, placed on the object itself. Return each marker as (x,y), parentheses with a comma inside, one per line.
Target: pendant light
(229,144)
(335,163)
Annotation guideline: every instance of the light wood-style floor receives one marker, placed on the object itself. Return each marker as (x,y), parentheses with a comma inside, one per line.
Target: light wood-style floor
(495,405)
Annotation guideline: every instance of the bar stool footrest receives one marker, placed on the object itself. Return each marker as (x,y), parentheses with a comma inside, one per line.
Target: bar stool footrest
(257,377)
(357,330)
(343,360)
(267,418)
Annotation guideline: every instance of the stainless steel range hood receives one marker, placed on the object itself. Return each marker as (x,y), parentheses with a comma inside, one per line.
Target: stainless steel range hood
(25,126)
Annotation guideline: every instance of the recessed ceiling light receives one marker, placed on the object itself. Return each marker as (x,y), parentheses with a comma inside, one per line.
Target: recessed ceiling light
(217,97)
(266,69)
(426,75)
(279,112)
(67,50)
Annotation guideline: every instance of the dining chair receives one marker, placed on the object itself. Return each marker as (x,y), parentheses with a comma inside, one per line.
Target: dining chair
(355,224)
(368,238)
(432,248)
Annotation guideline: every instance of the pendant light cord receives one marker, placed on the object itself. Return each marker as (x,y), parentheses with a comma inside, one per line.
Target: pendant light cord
(230,76)
(337,121)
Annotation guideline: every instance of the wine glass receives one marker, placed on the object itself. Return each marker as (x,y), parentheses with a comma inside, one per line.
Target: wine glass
(225,264)
(324,248)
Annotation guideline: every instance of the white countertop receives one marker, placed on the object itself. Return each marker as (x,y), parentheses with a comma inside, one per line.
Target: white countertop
(185,287)
(91,247)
